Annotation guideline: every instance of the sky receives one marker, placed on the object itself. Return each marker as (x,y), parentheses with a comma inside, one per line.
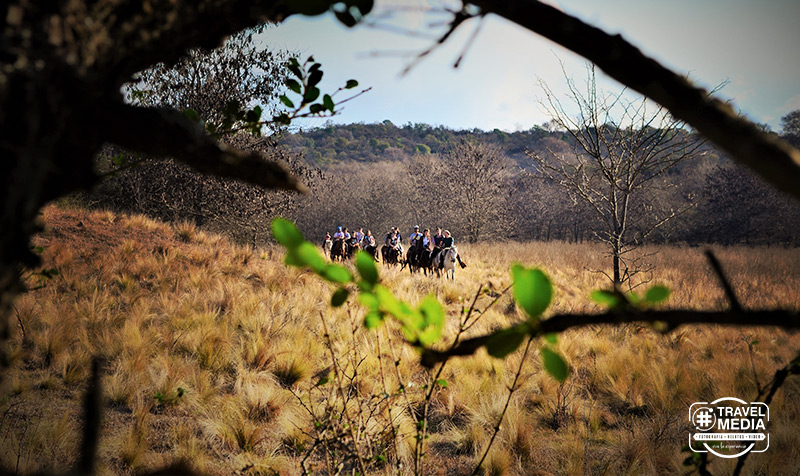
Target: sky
(752,45)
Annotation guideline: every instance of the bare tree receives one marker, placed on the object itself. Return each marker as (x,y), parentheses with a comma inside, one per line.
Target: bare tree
(621,151)
(476,179)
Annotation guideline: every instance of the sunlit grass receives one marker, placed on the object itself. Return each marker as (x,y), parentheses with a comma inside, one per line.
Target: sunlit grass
(214,354)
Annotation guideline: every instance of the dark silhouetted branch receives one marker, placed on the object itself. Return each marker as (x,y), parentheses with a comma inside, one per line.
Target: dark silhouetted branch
(166,133)
(668,320)
(726,285)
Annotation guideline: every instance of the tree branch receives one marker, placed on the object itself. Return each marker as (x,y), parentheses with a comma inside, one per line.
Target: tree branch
(166,133)
(670,320)
(768,156)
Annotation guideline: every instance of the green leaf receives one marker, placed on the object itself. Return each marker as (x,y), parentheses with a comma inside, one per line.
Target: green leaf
(532,290)
(551,338)
(506,341)
(369,301)
(253,115)
(316,108)
(339,297)
(327,101)
(442,383)
(336,273)
(373,320)
(554,364)
(657,294)
(286,101)
(351,83)
(432,312)
(294,67)
(610,299)
(366,267)
(322,381)
(192,115)
(311,95)
(286,233)
(282,118)
(314,77)
(309,255)
(293,85)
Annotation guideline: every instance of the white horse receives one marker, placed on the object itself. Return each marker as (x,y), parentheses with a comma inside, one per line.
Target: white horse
(449,262)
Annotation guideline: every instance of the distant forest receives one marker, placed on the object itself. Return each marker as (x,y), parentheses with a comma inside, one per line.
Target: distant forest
(380,175)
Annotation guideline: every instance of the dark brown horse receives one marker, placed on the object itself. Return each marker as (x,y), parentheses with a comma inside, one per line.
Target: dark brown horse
(338,251)
(391,256)
(351,247)
(418,258)
(373,251)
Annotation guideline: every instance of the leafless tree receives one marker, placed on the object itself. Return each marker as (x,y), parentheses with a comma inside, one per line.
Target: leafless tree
(476,188)
(621,151)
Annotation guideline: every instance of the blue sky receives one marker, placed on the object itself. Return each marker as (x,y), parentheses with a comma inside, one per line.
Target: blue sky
(751,44)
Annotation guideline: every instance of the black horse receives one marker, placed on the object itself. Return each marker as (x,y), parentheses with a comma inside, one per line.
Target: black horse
(373,251)
(338,250)
(351,247)
(418,258)
(391,256)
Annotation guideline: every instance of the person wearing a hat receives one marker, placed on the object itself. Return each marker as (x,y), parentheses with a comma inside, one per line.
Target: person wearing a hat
(415,235)
(339,235)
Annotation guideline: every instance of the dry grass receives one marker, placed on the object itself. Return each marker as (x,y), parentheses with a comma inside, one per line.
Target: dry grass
(212,353)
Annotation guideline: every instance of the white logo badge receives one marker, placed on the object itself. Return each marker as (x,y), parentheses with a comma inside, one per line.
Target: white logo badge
(729,427)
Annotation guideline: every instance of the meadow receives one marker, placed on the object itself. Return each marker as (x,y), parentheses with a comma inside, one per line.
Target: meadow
(222,358)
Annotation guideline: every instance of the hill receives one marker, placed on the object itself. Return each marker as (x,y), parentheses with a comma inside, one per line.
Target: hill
(388,142)
(220,356)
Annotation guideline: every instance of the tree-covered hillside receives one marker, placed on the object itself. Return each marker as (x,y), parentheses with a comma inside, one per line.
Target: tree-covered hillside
(386,141)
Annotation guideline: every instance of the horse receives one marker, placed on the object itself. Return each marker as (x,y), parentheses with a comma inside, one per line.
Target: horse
(446,259)
(338,250)
(351,249)
(372,250)
(326,247)
(425,261)
(418,258)
(390,255)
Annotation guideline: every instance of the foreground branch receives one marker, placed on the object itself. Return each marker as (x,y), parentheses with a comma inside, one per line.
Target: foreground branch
(166,133)
(662,320)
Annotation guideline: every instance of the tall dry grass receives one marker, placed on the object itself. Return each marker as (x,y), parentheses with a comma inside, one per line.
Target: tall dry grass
(214,355)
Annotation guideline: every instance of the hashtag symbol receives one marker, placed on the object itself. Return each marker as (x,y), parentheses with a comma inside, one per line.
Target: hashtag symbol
(702,419)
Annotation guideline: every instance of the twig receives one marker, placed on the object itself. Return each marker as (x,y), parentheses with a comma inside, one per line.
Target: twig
(92,407)
(726,285)
(511,391)
(469,43)
(458,18)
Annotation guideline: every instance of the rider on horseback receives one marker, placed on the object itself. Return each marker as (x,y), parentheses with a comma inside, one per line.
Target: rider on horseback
(368,240)
(415,235)
(447,242)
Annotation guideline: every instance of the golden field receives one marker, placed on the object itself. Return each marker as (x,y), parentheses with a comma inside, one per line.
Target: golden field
(219,357)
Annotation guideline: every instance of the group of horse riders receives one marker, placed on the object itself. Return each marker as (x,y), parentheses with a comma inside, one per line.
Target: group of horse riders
(425,251)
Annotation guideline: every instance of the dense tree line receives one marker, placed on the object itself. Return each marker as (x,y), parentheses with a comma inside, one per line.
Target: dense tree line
(475,184)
